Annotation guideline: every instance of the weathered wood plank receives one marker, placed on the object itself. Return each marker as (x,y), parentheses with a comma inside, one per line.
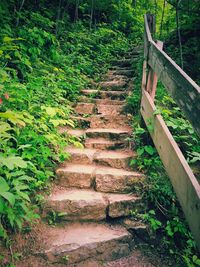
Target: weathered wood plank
(184,91)
(152,78)
(183,180)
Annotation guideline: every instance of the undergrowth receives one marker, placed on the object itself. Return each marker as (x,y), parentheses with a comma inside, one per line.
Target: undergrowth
(40,73)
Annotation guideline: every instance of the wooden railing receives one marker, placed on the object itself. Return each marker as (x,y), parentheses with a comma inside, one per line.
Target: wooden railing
(186,93)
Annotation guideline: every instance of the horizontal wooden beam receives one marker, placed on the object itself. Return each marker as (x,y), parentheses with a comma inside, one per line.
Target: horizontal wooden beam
(184,91)
(182,178)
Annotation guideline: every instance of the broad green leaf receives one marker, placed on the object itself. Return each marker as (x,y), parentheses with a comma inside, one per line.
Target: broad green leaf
(12,161)
(13,117)
(9,196)
(149,149)
(24,195)
(50,111)
(4,187)
(4,127)
(58,122)
(24,146)
(19,223)
(140,151)
(26,178)
(7,39)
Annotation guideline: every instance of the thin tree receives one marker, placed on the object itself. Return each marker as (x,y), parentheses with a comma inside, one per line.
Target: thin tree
(156,7)
(91,13)
(162,18)
(179,32)
(76,11)
(58,17)
(18,15)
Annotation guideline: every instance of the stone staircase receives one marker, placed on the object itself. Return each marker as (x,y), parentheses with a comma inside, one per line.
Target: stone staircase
(95,189)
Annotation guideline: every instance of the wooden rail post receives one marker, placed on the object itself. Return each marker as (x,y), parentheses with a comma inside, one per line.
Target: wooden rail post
(152,78)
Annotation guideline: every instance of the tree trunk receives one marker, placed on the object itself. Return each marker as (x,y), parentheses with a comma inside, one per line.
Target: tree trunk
(76,11)
(179,32)
(162,18)
(20,8)
(156,7)
(91,13)
(58,17)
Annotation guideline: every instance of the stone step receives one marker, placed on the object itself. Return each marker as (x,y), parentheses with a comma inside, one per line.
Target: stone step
(110,109)
(81,122)
(126,72)
(116,67)
(102,143)
(114,85)
(78,155)
(112,134)
(85,108)
(116,159)
(76,175)
(82,205)
(83,241)
(75,132)
(114,180)
(123,62)
(86,99)
(113,95)
(110,77)
(107,121)
(103,179)
(91,108)
(101,121)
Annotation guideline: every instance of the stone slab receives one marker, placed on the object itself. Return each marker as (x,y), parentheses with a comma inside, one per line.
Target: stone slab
(85,241)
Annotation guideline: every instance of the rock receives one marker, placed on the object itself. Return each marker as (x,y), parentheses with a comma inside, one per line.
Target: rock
(80,242)
(85,108)
(74,132)
(75,175)
(81,155)
(108,121)
(81,204)
(113,85)
(121,204)
(115,159)
(77,204)
(102,143)
(115,180)
(110,109)
(136,227)
(113,134)
(114,95)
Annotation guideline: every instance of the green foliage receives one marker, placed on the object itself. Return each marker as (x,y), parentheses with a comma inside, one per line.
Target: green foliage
(43,66)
